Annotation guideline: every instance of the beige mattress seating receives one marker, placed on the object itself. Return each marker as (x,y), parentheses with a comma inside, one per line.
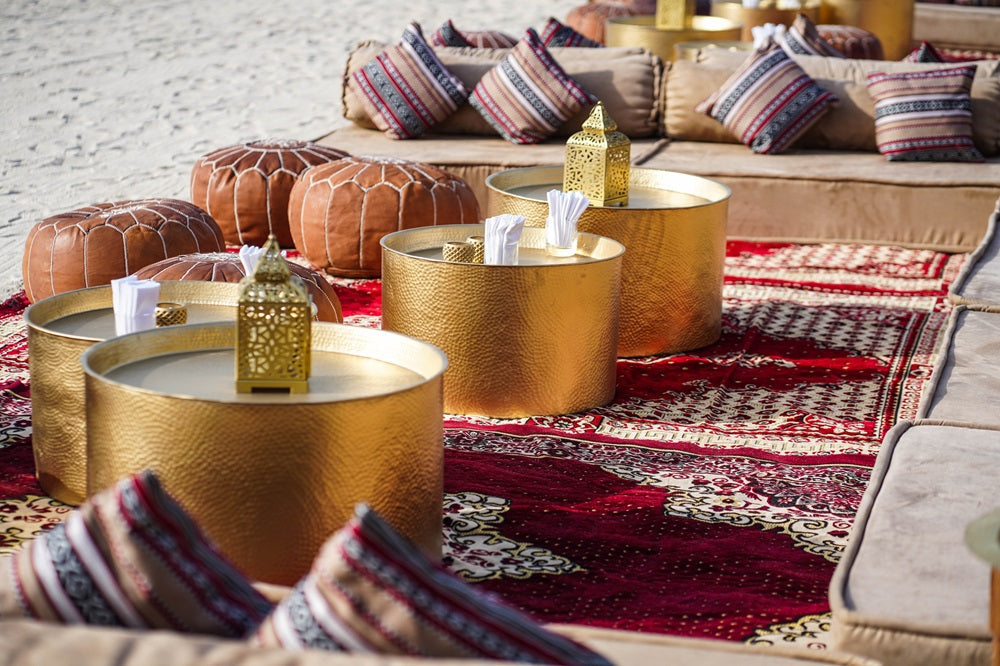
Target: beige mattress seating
(27,643)
(978,285)
(967,389)
(834,187)
(908,591)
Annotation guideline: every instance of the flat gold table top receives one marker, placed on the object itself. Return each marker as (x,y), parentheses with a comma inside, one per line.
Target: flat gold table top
(100,323)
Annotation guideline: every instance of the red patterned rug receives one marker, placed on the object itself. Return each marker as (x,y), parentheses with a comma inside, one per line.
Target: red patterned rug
(712,498)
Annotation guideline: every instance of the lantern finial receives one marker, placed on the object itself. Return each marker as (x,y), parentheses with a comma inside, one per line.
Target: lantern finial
(598,160)
(273,328)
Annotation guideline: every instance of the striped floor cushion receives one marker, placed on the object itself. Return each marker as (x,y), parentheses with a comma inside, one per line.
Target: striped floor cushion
(449,35)
(130,557)
(555,33)
(372,591)
(528,95)
(925,115)
(405,89)
(769,101)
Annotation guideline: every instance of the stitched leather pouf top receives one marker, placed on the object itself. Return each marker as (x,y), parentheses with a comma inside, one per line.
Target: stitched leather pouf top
(853,42)
(91,246)
(339,212)
(227,267)
(245,187)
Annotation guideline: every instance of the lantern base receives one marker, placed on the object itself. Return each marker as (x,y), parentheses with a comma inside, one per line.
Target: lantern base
(272,386)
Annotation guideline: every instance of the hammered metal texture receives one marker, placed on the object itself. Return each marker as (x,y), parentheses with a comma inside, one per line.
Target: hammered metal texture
(58,416)
(271,481)
(521,340)
(671,297)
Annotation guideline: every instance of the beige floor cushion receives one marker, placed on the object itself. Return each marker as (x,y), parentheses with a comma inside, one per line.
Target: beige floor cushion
(908,590)
(967,388)
(978,286)
(33,643)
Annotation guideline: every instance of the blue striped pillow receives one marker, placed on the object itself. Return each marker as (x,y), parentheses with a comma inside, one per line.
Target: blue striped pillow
(405,89)
(130,557)
(370,590)
(528,95)
(768,102)
(926,115)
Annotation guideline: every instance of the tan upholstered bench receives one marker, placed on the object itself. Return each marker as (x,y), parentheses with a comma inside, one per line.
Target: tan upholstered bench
(908,591)
(978,286)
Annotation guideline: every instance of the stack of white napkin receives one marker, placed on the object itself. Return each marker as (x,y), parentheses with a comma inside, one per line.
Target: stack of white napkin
(250,256)
(565,209)
(134,303)
(503,233)
(762,34)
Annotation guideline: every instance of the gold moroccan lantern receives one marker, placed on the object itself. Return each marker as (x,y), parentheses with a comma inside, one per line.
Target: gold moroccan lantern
(274,334)
(597,160)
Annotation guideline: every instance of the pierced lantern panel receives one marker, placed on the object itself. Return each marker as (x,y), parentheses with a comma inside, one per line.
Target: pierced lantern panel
(274,328)
(598,160)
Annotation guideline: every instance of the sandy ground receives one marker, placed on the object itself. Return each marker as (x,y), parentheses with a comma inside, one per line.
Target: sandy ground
(103,100)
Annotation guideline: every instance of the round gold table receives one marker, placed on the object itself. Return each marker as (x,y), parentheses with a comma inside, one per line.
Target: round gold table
(271,476)
(60,329)
(674,233)
(642,31)
(535,338)
(750,17)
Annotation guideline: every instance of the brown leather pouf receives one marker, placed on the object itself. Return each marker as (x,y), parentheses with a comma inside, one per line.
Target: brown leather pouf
(245,187)
(339,212)
(853,42)
(93,245)
(227,267)
(588,19)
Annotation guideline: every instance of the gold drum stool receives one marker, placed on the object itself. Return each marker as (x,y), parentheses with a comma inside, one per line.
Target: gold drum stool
(271,476)
(60,329)
(642,31)
(535,338)
(674,229)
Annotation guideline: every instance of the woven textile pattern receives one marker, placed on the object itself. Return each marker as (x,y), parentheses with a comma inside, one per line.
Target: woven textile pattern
(768,102)
(528,95)
(130,557)
(712,498)
(372,591)
(803,38)
(925,116)
(557,34)
(405,89)
(449,35)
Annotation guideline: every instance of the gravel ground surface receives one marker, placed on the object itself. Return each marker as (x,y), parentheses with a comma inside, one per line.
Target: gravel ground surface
(109,100)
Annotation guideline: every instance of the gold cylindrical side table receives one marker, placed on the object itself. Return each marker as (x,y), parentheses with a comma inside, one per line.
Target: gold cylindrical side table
(890,20)
(642,31)
(271,476)
(674,231)
(529,339)
(750,17)
(60,329)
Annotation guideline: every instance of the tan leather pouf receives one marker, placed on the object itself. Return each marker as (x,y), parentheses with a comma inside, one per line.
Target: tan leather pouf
(245,187)
(339,212)
(589,19)
(853,42)
(91,246)
(227,267)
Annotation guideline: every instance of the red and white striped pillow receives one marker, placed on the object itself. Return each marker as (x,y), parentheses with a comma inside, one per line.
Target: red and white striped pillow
(130,557)
(405,89)
(768,102)
(449,35)
(926,115)
(555,33)
(370,590)
(528,95)
(803,38)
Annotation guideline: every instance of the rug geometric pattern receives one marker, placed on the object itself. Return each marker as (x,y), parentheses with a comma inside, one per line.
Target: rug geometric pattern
(713,496)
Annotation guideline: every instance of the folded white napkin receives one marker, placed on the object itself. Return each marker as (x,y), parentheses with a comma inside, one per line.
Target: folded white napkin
(751,4)
(134,302)
(502,235)
(249,257)
(565,209)
(764,33)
